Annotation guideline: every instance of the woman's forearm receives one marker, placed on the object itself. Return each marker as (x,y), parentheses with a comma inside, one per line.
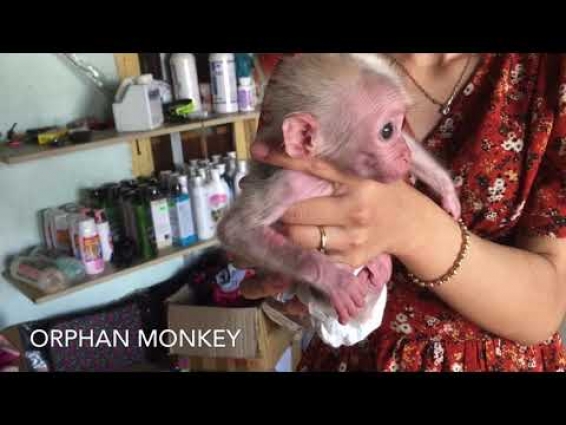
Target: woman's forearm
(510,292)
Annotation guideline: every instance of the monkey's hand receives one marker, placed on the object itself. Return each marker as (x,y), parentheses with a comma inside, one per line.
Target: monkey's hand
(451,203)
(380,270)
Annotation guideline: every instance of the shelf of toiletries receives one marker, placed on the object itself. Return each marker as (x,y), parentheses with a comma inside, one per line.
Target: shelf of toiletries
(32,151)
(110,273)
(122,227)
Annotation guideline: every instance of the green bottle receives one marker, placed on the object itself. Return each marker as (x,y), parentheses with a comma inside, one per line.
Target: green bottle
(142,214)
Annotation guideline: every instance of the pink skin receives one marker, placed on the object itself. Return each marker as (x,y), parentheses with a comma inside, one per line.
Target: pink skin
(239,230)
(247,229)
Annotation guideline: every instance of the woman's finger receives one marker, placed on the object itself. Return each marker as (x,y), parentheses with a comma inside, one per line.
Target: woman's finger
(314,166)
(321,211)
(309,237)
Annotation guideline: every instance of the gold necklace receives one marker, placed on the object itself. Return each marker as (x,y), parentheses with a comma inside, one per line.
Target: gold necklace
(444,107)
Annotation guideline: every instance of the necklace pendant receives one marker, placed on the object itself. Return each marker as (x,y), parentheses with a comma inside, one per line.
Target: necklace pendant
(445,110)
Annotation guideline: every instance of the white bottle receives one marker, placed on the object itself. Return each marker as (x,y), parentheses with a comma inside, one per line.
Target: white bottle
(223,83)
(218,195)
(221,167)
(242,172)
(185,79)
(91,249)
(201,210)
(246,95)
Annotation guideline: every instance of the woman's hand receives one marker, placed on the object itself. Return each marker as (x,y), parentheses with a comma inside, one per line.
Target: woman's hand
(362,220)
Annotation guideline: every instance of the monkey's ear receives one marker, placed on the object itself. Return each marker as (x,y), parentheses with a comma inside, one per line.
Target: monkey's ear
(300,131)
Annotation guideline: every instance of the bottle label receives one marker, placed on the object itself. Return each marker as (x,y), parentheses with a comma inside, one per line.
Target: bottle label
(161,223)
(223,82)
(92,249)
(218,205)
(245,99)
(182,219)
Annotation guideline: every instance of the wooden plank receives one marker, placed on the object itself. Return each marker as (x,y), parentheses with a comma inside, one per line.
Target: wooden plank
(110,273)
(102,139)
(240,139)
(128,65)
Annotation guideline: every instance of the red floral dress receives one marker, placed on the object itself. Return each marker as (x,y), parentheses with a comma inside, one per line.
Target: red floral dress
(505,143)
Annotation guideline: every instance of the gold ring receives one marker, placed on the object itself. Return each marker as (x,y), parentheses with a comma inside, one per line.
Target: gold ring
(323,240)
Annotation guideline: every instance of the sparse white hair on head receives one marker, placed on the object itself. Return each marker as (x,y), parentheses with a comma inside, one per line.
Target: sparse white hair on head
(321,84)
(378,63)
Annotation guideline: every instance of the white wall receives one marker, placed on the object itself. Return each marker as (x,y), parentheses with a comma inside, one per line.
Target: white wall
(38,90)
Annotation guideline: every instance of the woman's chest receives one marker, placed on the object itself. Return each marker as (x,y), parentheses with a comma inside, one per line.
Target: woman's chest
(492,144)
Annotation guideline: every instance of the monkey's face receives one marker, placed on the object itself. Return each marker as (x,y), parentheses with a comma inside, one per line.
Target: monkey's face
(377,147)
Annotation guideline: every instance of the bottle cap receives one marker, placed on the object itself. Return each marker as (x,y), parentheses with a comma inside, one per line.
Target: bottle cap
(145,79)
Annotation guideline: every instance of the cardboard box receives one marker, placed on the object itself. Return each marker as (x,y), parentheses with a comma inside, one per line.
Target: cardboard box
(246,339)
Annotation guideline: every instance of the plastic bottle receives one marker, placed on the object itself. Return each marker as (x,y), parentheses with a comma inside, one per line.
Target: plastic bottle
(231,170)
(223,83)
(111,206)
(185,79)
(73,223)
(242,172)
(160,218)
(104,234)
(201,210)
(181,217)
(246,95)
(91,249)
(47,231)
(39,273)
(128,216)
(216,159)
(224,179)
(218,196)
(145,247)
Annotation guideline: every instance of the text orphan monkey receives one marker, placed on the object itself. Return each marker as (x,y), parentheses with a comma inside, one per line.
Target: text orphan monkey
(214,338)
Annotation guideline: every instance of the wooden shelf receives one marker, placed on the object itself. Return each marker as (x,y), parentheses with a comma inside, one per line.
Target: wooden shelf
(31,152)
(111,272)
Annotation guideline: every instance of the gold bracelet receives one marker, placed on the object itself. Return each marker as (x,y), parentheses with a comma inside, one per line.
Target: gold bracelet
(455,267)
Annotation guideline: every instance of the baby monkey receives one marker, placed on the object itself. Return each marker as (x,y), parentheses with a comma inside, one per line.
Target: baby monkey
(348,109)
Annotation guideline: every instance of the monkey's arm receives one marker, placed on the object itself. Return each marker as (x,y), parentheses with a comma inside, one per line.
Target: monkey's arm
(247,230)
(430,172)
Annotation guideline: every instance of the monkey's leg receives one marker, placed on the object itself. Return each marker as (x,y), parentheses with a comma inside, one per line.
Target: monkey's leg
(248,232)
(430,172)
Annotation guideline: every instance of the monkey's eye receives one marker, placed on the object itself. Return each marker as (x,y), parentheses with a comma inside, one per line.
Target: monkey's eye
(387,131)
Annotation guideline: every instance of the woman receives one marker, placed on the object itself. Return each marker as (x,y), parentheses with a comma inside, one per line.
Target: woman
(498,121)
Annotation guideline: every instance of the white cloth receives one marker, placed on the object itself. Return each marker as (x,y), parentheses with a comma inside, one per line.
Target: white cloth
(331,331)
(325,320)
